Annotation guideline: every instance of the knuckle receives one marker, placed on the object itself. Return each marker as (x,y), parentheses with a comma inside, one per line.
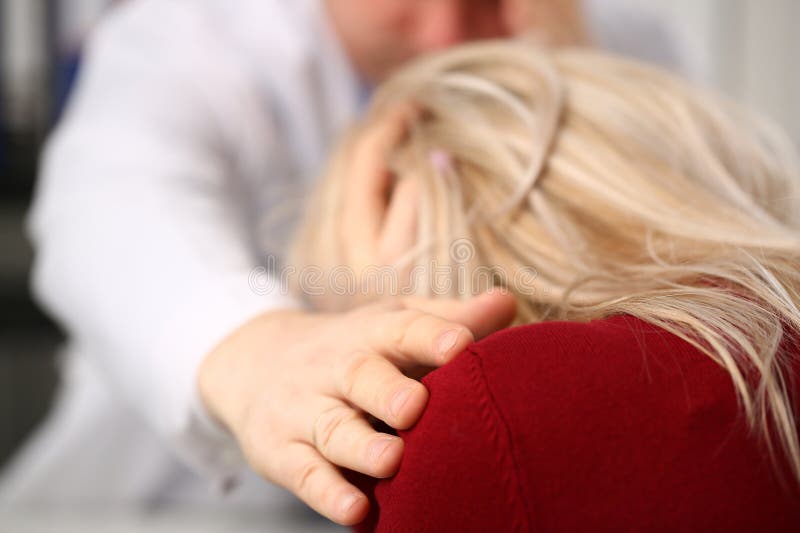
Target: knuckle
(328,424)
(402,328)
(305,475)
(353,369)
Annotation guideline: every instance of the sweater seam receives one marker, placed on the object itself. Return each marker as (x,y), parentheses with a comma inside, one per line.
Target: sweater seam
(516,490)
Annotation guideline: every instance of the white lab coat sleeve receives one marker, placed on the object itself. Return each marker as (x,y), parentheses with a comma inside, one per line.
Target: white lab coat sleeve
(142,251)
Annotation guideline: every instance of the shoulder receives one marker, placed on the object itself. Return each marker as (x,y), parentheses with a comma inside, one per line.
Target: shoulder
(143,27)
(230,22)
(212,43)
(555,369)
(619,410)
(159,55)
(173,69)
(587,384)
(457,472)
(535,422)
(609,375)
(601,358)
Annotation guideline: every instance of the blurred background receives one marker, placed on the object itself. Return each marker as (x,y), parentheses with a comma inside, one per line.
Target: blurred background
(745,48)
(40,44)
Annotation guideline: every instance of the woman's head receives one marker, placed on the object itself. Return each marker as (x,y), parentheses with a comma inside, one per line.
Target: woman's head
(588,186)
(590,170)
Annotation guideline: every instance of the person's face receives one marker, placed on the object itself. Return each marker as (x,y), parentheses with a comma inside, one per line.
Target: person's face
(379,35)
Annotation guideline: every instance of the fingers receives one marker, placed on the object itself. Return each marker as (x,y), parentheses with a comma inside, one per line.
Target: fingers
(483,314)
(343,437)
(431,332)
(338,435)
(373,150)
(399,233)
(320,484)
(300,411)
(375,385)
(367,187)
(412,337)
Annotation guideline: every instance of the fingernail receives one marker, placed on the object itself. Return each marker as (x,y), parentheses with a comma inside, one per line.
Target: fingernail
(378,448)
(448,340)
(399,401)
(347,503)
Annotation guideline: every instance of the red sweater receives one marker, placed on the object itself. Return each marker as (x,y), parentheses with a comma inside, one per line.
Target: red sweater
(614,425)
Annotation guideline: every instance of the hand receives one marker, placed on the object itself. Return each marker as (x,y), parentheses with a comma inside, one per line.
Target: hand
(294,389)
(379,215)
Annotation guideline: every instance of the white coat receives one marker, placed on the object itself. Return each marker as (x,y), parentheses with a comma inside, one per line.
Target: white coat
(195,129)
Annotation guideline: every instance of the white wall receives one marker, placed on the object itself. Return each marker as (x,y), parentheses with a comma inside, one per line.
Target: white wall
(749,49)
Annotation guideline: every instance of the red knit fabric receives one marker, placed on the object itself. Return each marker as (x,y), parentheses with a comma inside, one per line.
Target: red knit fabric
(614,425)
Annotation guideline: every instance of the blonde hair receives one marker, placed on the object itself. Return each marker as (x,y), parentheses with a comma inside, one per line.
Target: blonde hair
(626,189)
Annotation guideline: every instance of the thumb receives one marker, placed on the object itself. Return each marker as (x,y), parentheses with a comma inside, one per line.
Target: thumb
(482,314)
